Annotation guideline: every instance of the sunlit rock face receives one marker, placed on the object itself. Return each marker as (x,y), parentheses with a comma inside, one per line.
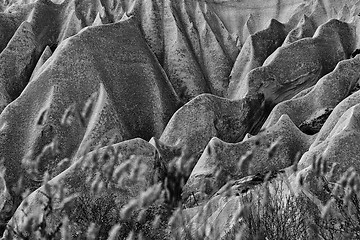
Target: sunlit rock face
(299,65)
(321,99)
(223,79)
(223,158)
(75,177)
(81,71)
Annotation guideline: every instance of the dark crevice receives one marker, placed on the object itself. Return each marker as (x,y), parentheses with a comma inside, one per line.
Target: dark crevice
(313,126)
(354,53)
(355,88)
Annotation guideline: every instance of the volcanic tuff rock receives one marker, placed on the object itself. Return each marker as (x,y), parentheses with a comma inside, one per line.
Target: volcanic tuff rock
(255,51)
(223,210)
(305,28)
(224,158)
(329,91)
(207,116)
(17,62)
(272,81)
(301,63)
(339,145)
(44,56)
(55,92)
(77,180)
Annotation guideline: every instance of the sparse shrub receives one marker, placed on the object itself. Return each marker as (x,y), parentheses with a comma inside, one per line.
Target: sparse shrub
(339,216)
(266,210)
(274,216)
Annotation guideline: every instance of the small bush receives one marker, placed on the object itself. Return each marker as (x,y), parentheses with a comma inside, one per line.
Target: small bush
(274,216)
(267,209)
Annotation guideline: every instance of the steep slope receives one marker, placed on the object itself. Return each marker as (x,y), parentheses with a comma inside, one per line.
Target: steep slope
(133,98)
(227,80)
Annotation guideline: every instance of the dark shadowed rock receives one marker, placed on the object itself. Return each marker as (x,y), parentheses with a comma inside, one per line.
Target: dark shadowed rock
(340,146)
(17,61)
(334,117)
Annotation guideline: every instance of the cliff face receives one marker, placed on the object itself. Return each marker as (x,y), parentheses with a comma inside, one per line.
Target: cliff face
(221,78)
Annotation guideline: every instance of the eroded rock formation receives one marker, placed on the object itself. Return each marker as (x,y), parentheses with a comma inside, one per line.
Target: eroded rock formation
(246,87)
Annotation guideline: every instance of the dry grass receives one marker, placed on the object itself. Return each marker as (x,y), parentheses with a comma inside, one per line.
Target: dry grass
(157,213)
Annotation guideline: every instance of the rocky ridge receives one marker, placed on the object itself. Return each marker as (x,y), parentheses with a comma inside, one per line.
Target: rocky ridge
(90,86)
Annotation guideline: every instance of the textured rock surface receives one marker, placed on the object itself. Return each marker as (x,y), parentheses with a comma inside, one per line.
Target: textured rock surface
(223,79)
(207,116)
(118,107)
(75,181)
(329,91)
(305,28)
(225,157)
(339,145)
(222,210)
(44,56)
(301,63)
(17,61)
(254,52)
